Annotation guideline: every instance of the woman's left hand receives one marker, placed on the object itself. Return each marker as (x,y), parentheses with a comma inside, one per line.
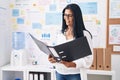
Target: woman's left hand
(68,64)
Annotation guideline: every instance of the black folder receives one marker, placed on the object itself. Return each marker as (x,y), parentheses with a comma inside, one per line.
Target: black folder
(68,51)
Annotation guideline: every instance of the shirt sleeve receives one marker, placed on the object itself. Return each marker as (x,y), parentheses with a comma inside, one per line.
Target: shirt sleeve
(86,62)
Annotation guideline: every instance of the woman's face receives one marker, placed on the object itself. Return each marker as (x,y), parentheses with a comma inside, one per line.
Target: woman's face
(68,17)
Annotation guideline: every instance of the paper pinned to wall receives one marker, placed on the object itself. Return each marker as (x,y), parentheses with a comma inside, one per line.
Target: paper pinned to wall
(116,48)
(114,34)
(114,9)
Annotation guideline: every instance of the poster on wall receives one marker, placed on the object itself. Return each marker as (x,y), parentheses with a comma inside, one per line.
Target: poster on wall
(114,34)
(114,9)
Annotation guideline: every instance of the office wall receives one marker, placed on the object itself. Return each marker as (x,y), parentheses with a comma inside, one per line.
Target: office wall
(5,37)
(5,46)
(115,58)
(38,18)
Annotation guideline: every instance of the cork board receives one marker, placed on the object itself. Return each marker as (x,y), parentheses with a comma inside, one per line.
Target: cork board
(112,21)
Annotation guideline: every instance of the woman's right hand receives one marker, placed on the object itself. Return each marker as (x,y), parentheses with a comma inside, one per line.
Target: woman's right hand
(51,59)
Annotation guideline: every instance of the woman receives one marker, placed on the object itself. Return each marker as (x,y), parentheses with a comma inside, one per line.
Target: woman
(72,28)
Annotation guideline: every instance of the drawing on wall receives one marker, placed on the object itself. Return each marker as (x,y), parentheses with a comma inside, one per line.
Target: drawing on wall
(114,34)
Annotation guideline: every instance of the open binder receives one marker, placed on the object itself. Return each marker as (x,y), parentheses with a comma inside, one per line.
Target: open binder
(68,51)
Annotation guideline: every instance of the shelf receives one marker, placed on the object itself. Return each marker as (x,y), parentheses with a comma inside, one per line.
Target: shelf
(41,69)
(13,68)
(12,75)
(102,73)
(23,72)
(11,72)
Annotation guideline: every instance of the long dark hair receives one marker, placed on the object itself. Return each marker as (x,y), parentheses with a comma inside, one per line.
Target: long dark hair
(78,24)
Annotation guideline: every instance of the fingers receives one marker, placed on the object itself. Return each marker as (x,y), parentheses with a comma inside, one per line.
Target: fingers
(51,59)
(63,62)
(68,64)
(49,56)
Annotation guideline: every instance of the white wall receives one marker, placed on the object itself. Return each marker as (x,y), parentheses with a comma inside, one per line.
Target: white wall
(5,37)
(5,32)
(4,47)
(116,65)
